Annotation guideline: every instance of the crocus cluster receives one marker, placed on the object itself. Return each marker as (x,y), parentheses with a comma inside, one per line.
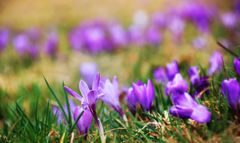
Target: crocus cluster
(102,89)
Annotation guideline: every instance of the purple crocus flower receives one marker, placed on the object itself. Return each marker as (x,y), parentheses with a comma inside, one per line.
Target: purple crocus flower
(153,36)
(51,44)
(57,112)
(131,100)
(160,75)
(111,95)
(200,42)
(88,71)
(216,63)
(229,19)
(159,20)
(4,37)
(145,94)
(176,26)
(236,64)
(76,39)
(21,43)
(184,106)
(85,121)
(231,89)
(136,35)
(193,73)
(118,35)
(177,85)
(172,69)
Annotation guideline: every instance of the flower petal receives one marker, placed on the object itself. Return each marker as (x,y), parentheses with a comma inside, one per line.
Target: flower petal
(83,88)
(201,114)
(73,93)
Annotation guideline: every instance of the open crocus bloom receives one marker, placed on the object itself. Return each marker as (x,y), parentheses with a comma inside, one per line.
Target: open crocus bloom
(216,63)
(144,93)
(186,107)
(231,89)
(111,95)
(177,85)
(236,64)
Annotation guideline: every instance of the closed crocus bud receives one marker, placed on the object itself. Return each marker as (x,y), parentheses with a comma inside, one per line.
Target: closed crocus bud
(229,19)
(85,121)
(216,63)
(51,44)
(236,64)
(177,85)
(172,70)
(131,100)
(153,36)
(21,44)
(193,73)
(118,35)
(4,37)
(145,94)
(160,75)
(184,106)
(231,89)
(111,95)
(88,71)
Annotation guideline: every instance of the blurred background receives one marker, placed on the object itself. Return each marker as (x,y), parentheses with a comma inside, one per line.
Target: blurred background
(164,30)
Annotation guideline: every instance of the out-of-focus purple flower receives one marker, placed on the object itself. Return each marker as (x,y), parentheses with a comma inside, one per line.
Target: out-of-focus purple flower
(184,106)
(51,44)
(57,112)
(176,26)
(118,35)
(231,89)
(4,37)
(21,43)
(24,46)
(199,42)
(172,69)
(236,64)
(131,100)
(111,95)
(88,71)
(216,63)
(34,34)
(85,121)
(76,39)
(229,19)
(198,14)
(201,86)
(145,94)
(159,20)
(153,36)
(177,85)
(160,75)
(136,35)
(193,73)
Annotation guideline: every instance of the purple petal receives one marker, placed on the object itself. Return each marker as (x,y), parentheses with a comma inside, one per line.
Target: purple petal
(83,88)
(236,64)
(85,121)
(180,111)
(73,93)
(96,82)
(201,114)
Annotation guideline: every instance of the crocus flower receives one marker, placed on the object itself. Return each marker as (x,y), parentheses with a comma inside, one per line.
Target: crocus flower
(216,63)
(176,26)
(177,85)
(231,89)
(88,71)
(229,19)
(236,64)
(85,121)
(184,106)
(193,73)
(140,19)
(118,35)
(111,95)
(144,93)
(4,37)
(21,43)
(160,75)
(132,100)
(153,36)
(159,20)
(57,112)
(201,85)
(199,42)
(172,70)
(51,44)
